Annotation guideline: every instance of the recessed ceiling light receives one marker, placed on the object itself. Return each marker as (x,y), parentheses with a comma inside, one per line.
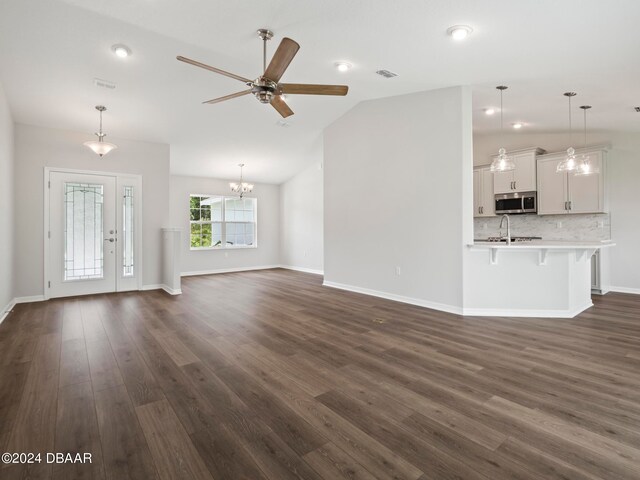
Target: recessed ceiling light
(459,32)
(343,66)
(517,125)
(489,111)
(121,51)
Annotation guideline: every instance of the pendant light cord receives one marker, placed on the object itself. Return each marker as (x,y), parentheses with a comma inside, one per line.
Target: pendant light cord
(501,124)
(570,131)
(585,127)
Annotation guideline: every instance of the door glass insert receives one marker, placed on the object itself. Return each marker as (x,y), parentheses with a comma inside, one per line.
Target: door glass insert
(127,232)
(83,236)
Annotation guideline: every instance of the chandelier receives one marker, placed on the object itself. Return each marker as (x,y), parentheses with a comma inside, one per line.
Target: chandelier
(100,146)
(241,187)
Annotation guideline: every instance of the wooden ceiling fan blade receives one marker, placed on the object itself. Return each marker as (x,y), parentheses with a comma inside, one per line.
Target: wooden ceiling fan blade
(310,89)
(228,97)
(212,69)
(281,59)
(281,106)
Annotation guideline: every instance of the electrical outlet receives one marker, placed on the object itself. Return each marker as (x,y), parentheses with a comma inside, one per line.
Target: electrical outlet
(600,224)
(304,253)
(226,254)
(559,224)
(485,226)
(397,270)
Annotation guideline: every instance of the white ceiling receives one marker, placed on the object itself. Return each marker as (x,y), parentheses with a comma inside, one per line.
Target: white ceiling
(50,51)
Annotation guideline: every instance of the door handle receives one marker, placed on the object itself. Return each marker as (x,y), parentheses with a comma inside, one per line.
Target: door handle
(110,239)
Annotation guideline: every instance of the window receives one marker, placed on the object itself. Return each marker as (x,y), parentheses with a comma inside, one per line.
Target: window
(222,222)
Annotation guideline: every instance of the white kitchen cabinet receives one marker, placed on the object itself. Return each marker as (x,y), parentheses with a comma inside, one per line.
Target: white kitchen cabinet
(523,177)
(565,193)
(483,200)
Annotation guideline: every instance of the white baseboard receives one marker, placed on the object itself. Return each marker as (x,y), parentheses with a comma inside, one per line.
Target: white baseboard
(161,286)
(398,298)
(303,269)
(172,291)
(505,312)
(635,291)
(33,298)
(7,310)
(227,270)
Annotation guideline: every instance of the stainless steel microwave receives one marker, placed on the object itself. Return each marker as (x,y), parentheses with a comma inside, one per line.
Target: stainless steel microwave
(522,202)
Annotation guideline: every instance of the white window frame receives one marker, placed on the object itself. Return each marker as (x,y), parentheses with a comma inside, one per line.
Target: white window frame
(223,245)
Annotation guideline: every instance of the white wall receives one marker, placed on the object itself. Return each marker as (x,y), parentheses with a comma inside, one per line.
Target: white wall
(38,147)
(267,252)
(622,181)
(301,220)
(398,193)
(6,205)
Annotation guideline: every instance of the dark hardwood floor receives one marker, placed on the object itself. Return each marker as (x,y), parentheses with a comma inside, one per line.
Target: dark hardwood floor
(269,375)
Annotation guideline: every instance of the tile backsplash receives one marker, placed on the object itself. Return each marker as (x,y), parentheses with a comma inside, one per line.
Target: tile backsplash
(549,227)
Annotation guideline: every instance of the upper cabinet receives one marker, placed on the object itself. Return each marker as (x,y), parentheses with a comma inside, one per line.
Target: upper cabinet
(483,200)
(563,193)
(523,177)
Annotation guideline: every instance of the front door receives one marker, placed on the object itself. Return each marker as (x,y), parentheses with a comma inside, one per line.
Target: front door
(91,237)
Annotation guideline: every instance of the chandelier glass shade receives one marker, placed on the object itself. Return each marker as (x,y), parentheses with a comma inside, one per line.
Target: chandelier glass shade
(100,147)
(241,187)
(502,163)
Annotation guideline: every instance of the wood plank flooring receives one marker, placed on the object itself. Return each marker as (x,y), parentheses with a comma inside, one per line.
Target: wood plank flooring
(268,375)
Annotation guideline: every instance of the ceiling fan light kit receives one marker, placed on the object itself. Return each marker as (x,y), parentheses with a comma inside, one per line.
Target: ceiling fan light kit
(266,88)
(99,146)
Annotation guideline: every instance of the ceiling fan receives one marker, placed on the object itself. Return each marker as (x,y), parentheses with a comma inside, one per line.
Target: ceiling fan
(266,87)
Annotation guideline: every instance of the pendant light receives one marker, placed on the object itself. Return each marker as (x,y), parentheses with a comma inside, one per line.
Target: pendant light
(100,146)
(569,164)
(584,166)
(502,163)
(242,187)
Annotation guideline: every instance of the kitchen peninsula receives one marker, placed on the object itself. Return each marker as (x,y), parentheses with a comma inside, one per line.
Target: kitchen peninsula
(537,278)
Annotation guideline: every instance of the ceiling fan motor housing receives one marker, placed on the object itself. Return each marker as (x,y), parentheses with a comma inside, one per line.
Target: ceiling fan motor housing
(264,89)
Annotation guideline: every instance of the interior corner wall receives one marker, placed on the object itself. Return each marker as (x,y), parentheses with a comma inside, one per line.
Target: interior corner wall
(39,147)
(7,241)
(394,197)
(301,220)
(266,255)
(622,180)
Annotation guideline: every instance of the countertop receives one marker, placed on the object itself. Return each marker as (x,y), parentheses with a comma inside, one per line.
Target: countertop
(543,244)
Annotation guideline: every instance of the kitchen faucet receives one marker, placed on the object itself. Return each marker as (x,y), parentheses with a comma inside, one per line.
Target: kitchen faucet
(508,228)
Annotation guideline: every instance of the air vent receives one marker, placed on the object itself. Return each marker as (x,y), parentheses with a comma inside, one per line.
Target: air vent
(386,73)
(637,109)
(98,82)
(283,124)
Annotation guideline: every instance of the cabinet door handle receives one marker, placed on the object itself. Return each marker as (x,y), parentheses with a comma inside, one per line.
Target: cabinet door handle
(565,206)
(515,184)
(481,209)
(569,204)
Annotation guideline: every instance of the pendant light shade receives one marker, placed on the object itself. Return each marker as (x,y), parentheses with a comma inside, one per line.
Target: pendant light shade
(242,187)
(99,146)
(570,163)
(502,163)
(585,167)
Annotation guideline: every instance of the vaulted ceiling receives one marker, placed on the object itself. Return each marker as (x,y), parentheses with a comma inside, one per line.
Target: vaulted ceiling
(51,50)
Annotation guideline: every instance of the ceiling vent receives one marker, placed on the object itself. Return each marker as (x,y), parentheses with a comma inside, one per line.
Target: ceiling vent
(98,82)
(637,109)
(386,73)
